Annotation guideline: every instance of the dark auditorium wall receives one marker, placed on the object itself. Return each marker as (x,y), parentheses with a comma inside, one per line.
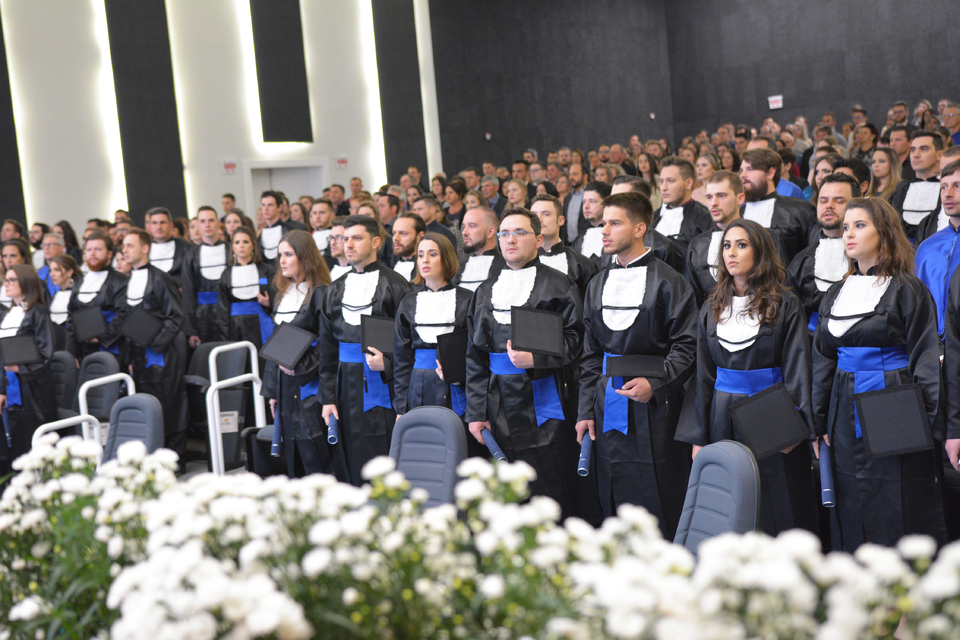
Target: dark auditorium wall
(727,56)
(544,74)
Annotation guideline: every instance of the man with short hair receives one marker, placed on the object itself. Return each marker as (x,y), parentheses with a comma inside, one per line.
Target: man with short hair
(554,171)
(322,212)
(426,207)
(517,395)
(680,217)
(901,115)
(121,215)
(575,223)
(490,188)
(416,176)
(790,218)
(471,176)
(934,223)
(489,169)
(858,115)
(785,188)
(619,157)
(553,252)
(589,243)
(564,157)
(951,120)
(157,368)
(824,262)
(900,143)
(788,160)
(724,195)
(408,230)
(339,199)
(520,170)
(389,207)
(741,139)
(167,253)
(100,286)
(636,306)
(820,132)
(856,169)
(274,227)
(663,247)
(227,202)
(829,120)
(603,153)
(356,186)
(537,173)
(480,246)
(916,198)
(11,229)
(338,258)
(349,387)
(937,257)
(52,246)
(204,267)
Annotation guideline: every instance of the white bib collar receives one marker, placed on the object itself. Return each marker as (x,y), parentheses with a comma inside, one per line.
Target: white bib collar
(270,240)
(670,220)
(760,212)
(558,262)
(162,254)
(435,314)
(859,296)
(830,263)
(322,239)
(358,292)
(920,200)
(339,270)
(136,286)
(713,252)
(91,284)
(405,268)
(737,330)
(213,260)
(622,297)
(245,282)
(58,306)
(476,271)
(512,289)
(12,321)
(592,242)
(290,303)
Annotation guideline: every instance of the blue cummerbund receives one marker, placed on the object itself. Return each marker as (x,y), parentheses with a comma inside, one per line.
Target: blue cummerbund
(546,399)
(868,364)
(747,382)
(376,392)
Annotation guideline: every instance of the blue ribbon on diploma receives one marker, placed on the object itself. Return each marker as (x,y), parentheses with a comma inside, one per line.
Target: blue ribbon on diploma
(333,430)
(586,454)
(827,494)
(492,445)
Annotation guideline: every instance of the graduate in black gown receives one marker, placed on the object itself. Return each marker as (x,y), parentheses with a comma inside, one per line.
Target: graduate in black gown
(526,400)
(245,293)
(170,254)
(271,203)
(680,217)
(433,307)
(637,306)
(483,259)
(204,267)
(662,246)
(27,390)
(358,395)
(752,326)
(101,286)
(880,320)
(825,263)
(589,244)
(157,368)
(553,252)
(63,270)
(301,280)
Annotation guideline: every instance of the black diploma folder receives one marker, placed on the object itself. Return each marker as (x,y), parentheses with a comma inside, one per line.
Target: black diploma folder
(769,421)
(141,327)
(623,368)
(536,331)
(287,345)
(894,421)
(89,323)
(378,333)
(452,354)
(17,350)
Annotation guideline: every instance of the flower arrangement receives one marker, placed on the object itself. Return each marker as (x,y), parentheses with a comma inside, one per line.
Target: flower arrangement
(125,551)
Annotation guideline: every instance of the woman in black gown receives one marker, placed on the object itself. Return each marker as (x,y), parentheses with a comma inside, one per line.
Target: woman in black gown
(878,329)
(245,293)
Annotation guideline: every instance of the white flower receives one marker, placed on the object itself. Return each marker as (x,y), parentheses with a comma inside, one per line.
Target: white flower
(132,452)
(477,467)
(394,480)
(40,549)
(379,466)
(492,587)
(516,471)
(914,547)
(74,482)
(32,518)
(350,596)
(115,546)
(27,609)
(419,495)
(470,489)
(316,562)
(324,532)
(88,449)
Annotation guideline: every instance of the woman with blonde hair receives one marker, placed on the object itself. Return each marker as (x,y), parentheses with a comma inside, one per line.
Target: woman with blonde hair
(885,173)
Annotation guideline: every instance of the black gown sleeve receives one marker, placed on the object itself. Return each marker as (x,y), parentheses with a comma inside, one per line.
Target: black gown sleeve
(572,309)
(591,362)
(116,298)
(694,424)
(223,306)
(824,366)
(795,356)
(37,322)
(329,348)
(919,315)
(403,352)
(478,357)
(170,310)
(678,303)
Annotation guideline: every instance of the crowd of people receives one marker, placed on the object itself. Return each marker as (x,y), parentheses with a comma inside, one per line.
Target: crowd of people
(744,260)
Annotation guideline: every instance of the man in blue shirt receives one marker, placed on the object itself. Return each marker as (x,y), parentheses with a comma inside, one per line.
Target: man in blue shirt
(939,255)
(785,188)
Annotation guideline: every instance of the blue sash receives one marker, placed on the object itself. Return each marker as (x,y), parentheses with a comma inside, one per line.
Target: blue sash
(867,364)
(14,398)
(546,399)
(206,297)
(814,319)
(115,349)
(311,389)
(263,282)
(254,308)
(154,359)
(616,408)
(44,274)
(376,392)
(427,359)
(747,382)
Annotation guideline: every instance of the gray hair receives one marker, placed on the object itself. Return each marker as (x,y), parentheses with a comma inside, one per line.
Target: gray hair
(494,179)
(55,236)
(397,191)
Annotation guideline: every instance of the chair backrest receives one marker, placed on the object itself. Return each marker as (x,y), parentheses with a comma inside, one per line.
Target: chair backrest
(64,368)
(136,417)
(229,364)
(100,400)
(428,443)
(723,494)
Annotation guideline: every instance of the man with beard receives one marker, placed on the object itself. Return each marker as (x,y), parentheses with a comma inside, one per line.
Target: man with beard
(663,247)
(680,218)
(590,243)
(101,287)
(915,199)
(724,195)
(603,153)
(204,266)
(636,306)
(350,388)
(564,157)
(824,262)
(790,218)
(408,229)
(480,246)
(575,223)
(519,396)
(553,252)
(490,188)
(938,256)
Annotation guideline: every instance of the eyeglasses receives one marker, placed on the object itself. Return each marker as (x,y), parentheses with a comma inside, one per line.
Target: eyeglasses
(10,281)
(49,245)
(520,234)
(337,238)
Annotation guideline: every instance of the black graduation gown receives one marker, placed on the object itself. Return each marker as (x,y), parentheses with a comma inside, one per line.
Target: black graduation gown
(364,434)
(665,249)
(696,220)
(801,280)
(897,200)
(792,221)
(201,307)
(507,401)
(304,434)
(237,328)
(578,268)
(600,260)
(496,265)
(788,498)
(38,401)
(179,270)
(880,500)
(112,298)
(697,266)
(646,466)
(161,299)
(269,254)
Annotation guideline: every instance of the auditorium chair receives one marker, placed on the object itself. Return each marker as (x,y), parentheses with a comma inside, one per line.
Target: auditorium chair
(428,444)
(136,417)
(64,369)
(723,494)
(100,400)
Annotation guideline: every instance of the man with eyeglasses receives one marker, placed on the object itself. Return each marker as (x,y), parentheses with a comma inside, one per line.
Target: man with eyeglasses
(527,400)
(340,265)
(52,246)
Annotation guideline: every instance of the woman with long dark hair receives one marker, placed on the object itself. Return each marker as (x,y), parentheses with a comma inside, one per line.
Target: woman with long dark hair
(27,390)
(878,329)
(70,244)
(752,334)
(63,269)
(245,292)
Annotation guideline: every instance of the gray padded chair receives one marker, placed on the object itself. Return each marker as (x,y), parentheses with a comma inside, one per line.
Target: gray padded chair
(136,417)
(428,444)
(723,494)
(100,400)
(64,369)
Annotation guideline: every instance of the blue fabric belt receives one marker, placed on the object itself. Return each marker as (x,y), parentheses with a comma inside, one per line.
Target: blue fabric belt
(115,349)
(616,408)
(458,400)
(867,364)
(263,282)
(154,359)
(14,397)
(376,392)
(254,308)
(546,399)
(814,319)
(425,359)
(311,389)
(747,382)
(206,297)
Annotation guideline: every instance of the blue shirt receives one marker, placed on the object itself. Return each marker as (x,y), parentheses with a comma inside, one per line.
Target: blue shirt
(788,189)
(937,259)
